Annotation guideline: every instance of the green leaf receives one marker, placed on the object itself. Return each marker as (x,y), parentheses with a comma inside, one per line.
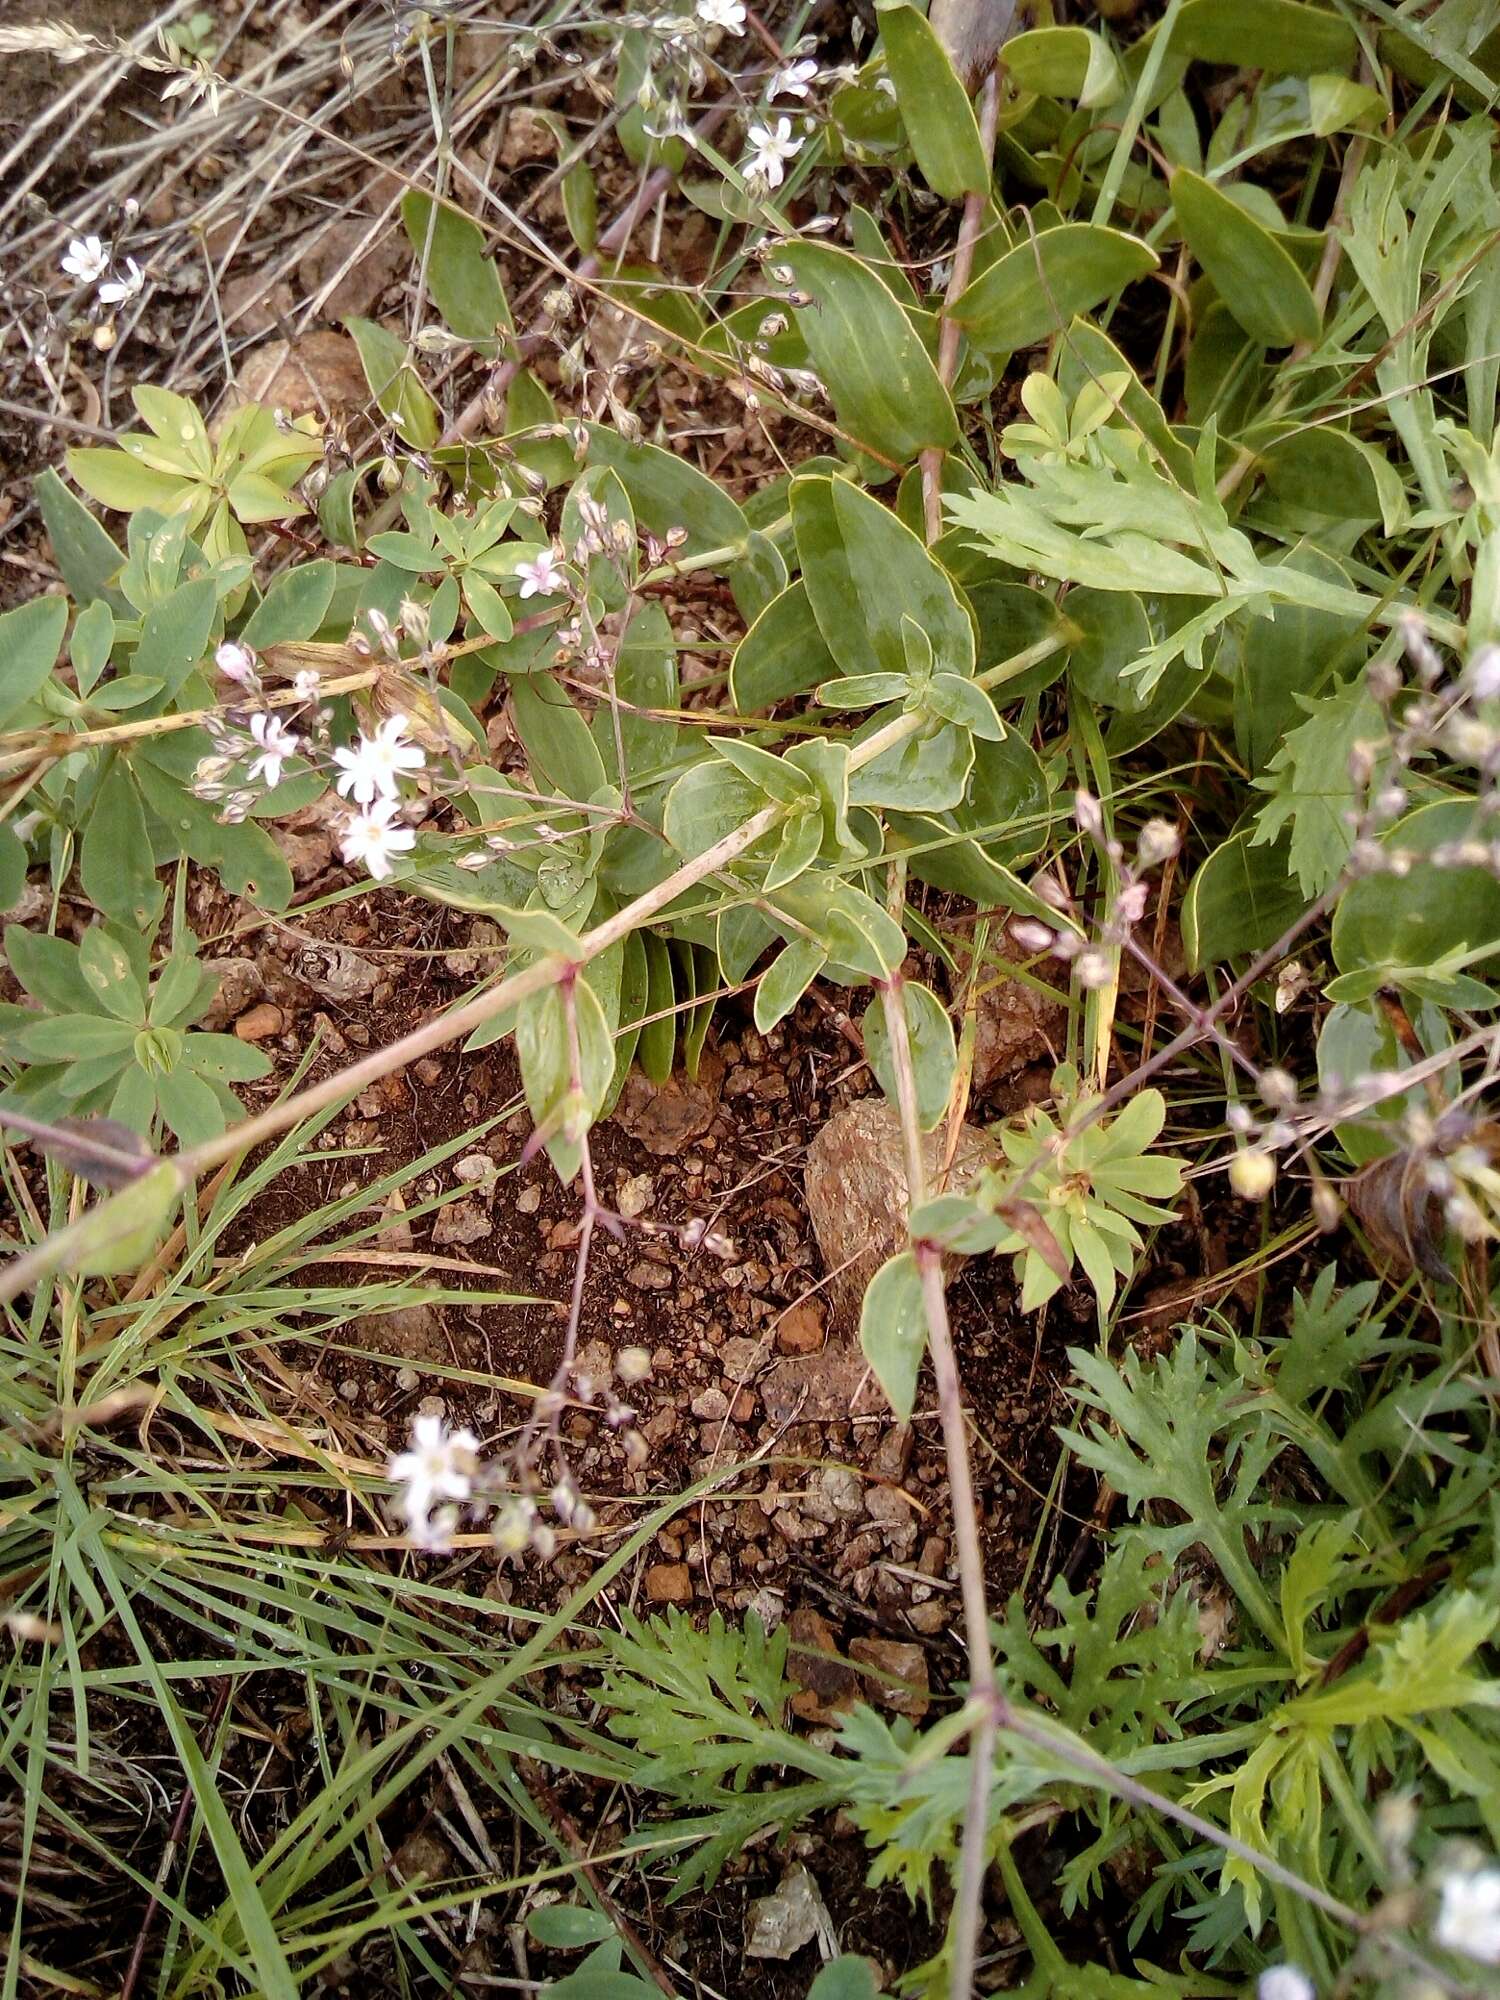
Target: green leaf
(568,1926)
(707,803)
(1240,901)
(293,608)
(116,865)
(174,634)
(48,969)
(1034,290)
(928,772)
(542,1048)
(489,607)
(556,738)
(1311,787)
(934,1055)
(893,1331)
(1064,62)
(845,1978)
(645,677)
(189,1106)
(117,480)
(119,1235)
(799,847)
(865,573)
(395,384)
(670,492)
(88,559)
(1421,917)
(225,1058)
(1282,37)
(783,654)
(75,1038)
(935,107)
(105,964)
(786,979)
(30,640)
(463,281)
(1250,271)
(885,390)
(12,867)
(658,1044)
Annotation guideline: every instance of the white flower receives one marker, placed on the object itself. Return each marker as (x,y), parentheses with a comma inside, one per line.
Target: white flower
(793,81)
(1469,1917)
(770,148)
(369,839)
(115,291)
(542,577)
(375,766)
(1284,1982)
(235,660)
(1482,674)
(728,14)
(87,259)
(438,1467)
(308,684)
(277,743)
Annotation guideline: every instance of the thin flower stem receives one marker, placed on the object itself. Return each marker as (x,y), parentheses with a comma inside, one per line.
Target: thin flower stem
(58,743)
(988,1704)
(951,333)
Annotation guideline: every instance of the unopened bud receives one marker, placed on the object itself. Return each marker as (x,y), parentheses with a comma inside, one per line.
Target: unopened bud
(1159,841)
(1252,1174)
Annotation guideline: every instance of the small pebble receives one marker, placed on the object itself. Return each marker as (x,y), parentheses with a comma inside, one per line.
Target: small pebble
(260,1023)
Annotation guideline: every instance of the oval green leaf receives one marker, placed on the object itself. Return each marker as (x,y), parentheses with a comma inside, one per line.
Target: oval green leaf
(934,105)
(1250,271)
(884,386)
(1034,290)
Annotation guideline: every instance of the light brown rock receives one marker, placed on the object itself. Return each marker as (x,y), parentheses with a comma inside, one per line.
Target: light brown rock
(666,1117)
(1014,1022)
(899,1679)
(318,373)
(241,985)
(855,1184)
(260,1023)
(827,1686)
(800,1328)
(461,1222)
(376,259)
(669,1583)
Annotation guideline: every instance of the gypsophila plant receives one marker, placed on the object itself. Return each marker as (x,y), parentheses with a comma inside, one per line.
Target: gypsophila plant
(1134,631)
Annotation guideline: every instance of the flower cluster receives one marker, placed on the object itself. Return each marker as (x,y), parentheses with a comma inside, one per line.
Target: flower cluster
(87,260)
(1468,1919)
(437,1474)
(262,738)
(440,1473)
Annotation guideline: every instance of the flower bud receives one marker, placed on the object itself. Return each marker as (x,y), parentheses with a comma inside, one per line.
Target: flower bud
(1252,1174)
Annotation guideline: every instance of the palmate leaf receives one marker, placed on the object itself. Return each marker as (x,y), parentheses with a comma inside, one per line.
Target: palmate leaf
(1103,1669)
(1168,1432)
(1310,784)
(1117,520)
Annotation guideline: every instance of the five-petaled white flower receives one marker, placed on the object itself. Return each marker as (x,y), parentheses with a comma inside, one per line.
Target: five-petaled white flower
(1469,1915)
(795,80)
(1285,1982)
(542,577)
(124,285)
(438,1467)
(277,743)
(770,148)
(728,14)
(235,660)
(87,259)
(370,838)
(375,766)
